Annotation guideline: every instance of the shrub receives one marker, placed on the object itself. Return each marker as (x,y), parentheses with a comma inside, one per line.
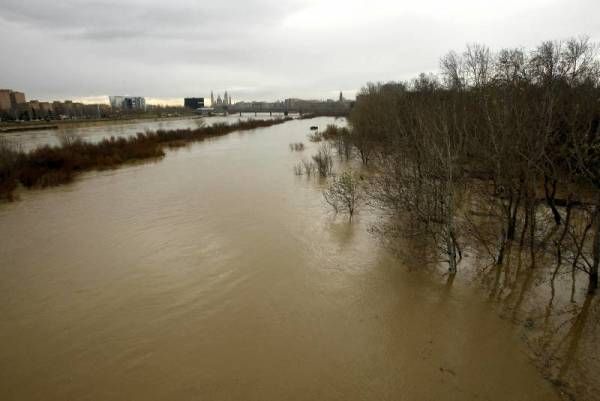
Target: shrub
(324,160)
(315,137)
(344,193)
(298,168)
(297,147)
(309,167)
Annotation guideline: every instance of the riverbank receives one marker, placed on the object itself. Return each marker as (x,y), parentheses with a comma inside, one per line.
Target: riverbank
(55,165)
(59,124)
(37,127)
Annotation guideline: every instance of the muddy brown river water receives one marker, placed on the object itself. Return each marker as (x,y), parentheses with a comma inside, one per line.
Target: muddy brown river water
(216,274)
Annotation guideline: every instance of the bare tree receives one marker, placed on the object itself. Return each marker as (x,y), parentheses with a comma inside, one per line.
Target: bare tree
(452,66)
(478,64)
(344,193)
(579,60)
(510,67)
(517,132)
(324,160)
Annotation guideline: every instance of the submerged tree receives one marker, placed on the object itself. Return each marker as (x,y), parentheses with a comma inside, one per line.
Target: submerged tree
(344,193)
(512,137)
(323,160)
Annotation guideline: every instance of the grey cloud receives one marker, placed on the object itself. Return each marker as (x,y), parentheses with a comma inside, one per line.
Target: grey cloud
(176,48)
(107,34)
(107,20)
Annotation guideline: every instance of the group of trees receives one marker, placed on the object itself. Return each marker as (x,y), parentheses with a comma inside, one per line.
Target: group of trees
(500,147)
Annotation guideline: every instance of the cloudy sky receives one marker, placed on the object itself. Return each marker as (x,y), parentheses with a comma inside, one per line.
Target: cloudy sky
(256,49)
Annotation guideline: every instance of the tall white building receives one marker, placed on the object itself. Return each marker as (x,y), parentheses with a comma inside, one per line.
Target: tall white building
(127,102)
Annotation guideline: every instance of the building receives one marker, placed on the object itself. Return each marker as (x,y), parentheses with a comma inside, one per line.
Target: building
(127,102)
(68,107)
(13,105)
(221,101)
(17,98)
(116,102)
(59,108)
(5,102)
(11,100)
(78,110)
(193,103)
(46,108)
(34,108)
(134,103)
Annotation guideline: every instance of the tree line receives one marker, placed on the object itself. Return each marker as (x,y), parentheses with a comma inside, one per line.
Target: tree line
(497,149)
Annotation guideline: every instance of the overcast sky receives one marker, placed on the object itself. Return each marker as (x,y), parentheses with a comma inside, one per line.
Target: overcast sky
(257,49)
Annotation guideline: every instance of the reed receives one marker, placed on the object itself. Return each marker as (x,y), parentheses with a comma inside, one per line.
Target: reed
(297,147)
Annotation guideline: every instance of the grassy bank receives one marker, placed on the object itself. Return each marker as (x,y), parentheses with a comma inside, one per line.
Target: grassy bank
(11,126)
(55,165)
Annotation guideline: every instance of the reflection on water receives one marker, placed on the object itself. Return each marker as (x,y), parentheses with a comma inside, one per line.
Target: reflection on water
(558,322)
(217,274)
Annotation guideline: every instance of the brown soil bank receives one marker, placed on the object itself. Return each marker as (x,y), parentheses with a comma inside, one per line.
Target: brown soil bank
(55,165)
(37,127)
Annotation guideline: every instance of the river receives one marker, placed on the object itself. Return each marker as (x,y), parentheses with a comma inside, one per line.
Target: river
(96,131)
(217,274)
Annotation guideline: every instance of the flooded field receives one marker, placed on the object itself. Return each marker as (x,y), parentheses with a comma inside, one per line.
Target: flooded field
(218,274)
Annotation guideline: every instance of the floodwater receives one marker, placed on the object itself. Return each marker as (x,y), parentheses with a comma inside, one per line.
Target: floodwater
(95,132)
(217,274)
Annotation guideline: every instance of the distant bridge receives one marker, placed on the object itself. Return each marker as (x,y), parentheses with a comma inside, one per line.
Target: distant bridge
(322,109)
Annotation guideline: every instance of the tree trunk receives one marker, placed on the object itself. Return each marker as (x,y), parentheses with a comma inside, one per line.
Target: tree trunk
(550,200)
(512,217)
(564,233)
(450,236)
(595,250)
(451,255)
(500,258)
(525,225)
(532,228)
(508,233)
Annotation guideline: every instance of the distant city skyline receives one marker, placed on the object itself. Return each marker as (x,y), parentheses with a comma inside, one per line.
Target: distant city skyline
(178,101)
(257,49)
(106,99)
